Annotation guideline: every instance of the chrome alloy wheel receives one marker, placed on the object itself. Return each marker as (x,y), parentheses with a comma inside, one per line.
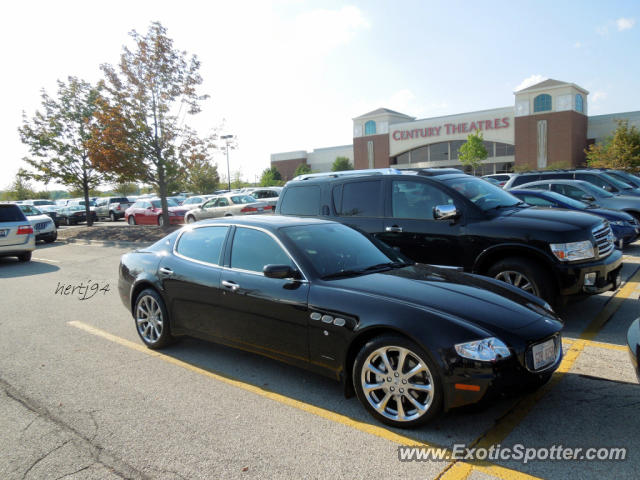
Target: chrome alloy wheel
(518,279)
(149,319)
(397,383)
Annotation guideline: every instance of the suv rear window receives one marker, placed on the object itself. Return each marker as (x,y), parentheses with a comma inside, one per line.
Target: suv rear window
(119,200)
(11,213)
(304,200)
(524,178)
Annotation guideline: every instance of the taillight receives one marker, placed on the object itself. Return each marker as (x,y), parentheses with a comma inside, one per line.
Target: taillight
(118,207)
(25,230)
(249,209)
(268,207)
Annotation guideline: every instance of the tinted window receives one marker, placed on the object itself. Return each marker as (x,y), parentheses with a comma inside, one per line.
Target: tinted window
(361,199)
(119,200)
(569,191)
(11,213)
(253,249)
(203,244)
(301,201)
(522,179)
(411,199)
(536,201)
(221,202)
(483,194)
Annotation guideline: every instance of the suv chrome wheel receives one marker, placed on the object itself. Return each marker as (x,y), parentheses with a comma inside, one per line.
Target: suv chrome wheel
(518,279)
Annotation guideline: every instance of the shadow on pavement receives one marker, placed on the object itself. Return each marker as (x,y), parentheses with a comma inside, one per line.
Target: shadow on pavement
(12,268)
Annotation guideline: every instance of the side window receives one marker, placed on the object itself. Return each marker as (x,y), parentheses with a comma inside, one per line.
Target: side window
(522,179)
(253,249)
(210,203)
(569,191)
(410,199)
(537,201)
(593,179)
(222,202)
(303,200)
(361,199)
(203,244)
(136,205)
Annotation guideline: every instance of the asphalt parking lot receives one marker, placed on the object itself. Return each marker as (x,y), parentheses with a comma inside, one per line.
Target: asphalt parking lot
(80,397)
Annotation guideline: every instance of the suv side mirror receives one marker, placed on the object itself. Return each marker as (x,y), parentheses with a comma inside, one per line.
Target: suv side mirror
(280,271)
(445,212)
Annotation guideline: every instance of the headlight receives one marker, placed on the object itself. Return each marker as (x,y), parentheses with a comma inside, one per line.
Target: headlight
(620,223)
(486,350)
(568,252)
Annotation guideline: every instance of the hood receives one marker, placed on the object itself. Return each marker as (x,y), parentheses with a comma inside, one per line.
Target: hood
(483,301)
(609,213)
(553,219)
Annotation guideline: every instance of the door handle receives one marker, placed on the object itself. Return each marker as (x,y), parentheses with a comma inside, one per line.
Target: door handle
(166,271)
(233,286)
(394,229)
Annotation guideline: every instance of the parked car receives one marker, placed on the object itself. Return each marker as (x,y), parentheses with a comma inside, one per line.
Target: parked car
(501,178)
(43,225)
(149,212)
(633,341)
(196,201)
(226,205)
(463,221)
(624,226)
(410,340)
(112,207)
(268,195)
(74,214)
(178,199)
(596,177)
(48,207)
(623,176)
(81,202)
(16,233)
(586,192)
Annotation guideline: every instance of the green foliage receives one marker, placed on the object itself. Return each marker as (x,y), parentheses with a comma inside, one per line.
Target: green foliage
(126,188)
(473,151)
(270,177)
(58,138)
(621,151)
(302,169)
(341,164)
(20,188)
(141,134)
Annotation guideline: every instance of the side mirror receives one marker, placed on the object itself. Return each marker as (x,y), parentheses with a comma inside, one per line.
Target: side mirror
(445,212)
(280,271)
(587,198)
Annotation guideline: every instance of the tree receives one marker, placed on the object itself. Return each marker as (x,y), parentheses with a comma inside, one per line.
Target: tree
(126,188)
(302,169)
(270,176)
(20,189)
(341,164)
(140,122)
(200,175)
(58,139)
(473,151)
(622,150)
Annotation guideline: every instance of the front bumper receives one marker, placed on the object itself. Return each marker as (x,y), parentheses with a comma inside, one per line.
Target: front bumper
(471,381)
(633,342)
(571,276)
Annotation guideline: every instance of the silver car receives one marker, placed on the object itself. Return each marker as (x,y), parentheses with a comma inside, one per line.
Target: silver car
(268,195)
(227,205)
(43,225)
(16,233)
(196,201)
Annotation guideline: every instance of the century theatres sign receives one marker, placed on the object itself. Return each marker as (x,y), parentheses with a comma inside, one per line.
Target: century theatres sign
(451,129)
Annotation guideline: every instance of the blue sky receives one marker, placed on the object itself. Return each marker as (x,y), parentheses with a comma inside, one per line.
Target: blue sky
(290,75)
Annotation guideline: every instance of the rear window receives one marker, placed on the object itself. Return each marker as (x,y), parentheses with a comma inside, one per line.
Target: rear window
(11,213)
(119,200)
(522,179)
(301,200)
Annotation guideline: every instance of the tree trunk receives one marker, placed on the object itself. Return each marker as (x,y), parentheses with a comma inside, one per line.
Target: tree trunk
(87,207)
(162,186)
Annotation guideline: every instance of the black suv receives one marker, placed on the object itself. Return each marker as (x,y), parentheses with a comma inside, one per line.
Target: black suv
(596,177)
(458,220)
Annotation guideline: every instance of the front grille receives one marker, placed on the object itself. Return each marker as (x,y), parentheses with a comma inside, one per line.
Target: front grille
(41,225)
(604,239)
(557,347)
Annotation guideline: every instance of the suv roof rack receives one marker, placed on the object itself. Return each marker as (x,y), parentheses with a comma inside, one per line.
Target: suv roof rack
(345,173)
(432,172)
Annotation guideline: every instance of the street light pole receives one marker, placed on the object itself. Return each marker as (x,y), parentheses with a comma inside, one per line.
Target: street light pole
(226,138)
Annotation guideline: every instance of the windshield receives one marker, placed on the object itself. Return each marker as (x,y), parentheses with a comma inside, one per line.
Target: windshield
(29,210)
(567,200)
(335,248)
(483,194)
(242,199)
(619,184)
(626,177)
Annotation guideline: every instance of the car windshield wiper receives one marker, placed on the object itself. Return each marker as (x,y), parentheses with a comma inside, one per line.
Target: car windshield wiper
(373,268)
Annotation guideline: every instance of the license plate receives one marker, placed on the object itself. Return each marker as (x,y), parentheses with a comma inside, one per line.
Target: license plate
(3,233)
(543,354)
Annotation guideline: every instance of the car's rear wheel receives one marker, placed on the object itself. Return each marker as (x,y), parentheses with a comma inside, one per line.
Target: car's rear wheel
(132,220)
(160,221)
(112,216)
(190,219)
(526,275)
(397,382)
(25,257)
(152,321)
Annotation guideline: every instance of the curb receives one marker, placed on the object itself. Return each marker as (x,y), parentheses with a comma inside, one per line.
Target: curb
(102,243)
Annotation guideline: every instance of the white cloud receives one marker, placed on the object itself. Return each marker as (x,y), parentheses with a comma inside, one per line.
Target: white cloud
(577,45)
(597,96)
(625,23)
(532,80)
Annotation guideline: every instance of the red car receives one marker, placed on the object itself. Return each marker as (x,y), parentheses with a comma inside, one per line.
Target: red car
(149,212)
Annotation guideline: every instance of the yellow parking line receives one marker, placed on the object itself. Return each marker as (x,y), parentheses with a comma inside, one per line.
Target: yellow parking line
(593,343)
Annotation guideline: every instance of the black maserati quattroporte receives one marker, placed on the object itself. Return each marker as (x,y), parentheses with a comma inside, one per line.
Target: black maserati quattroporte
(409,339)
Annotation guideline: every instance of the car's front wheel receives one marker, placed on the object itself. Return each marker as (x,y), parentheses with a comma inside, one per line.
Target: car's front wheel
(160,221)
(526,275)
(397,382)
(152,321)
(190,219)
(52,237)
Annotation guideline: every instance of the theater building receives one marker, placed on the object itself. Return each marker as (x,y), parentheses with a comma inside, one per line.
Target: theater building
(548,126)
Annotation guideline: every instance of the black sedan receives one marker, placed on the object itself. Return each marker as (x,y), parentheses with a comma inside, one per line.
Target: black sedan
(409,339)
(625,228)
